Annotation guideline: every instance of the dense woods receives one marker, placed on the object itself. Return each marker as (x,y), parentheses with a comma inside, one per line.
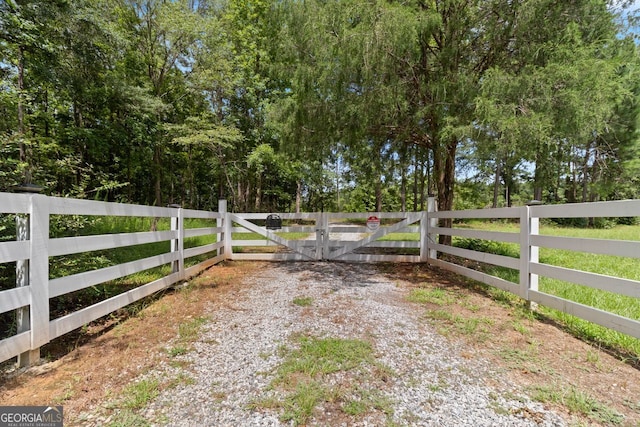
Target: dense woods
(320,105)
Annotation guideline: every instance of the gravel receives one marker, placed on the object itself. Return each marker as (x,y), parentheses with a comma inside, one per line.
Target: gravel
(434,382)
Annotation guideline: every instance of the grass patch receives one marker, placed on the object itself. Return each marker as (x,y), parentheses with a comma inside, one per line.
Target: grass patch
(437,296)
(322,356)
(577,402)
(303,301)
(623,267)
(303,376)
(138,395)
(187,333)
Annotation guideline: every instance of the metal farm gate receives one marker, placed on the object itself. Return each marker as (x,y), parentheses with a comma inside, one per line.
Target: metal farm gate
(365,237)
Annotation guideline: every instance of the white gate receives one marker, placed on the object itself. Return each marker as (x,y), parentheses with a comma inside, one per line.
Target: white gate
(331,236)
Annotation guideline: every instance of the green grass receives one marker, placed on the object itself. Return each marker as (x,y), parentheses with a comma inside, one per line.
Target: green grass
(76,263)
(624,267)
(304,372)
(435,296)
(303,301)
(138,395)
(187,333)
(577,402)
(322,356)
(134,397)
(401,237)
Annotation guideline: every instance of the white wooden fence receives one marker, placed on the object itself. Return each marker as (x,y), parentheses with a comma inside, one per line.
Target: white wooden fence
(529,265)
(34,247)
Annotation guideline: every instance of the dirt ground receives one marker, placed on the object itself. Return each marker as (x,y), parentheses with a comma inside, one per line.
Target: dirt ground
(87,368)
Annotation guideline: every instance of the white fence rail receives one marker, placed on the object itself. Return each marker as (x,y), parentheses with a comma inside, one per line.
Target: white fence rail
(529,266)
(34,253)
(329,236)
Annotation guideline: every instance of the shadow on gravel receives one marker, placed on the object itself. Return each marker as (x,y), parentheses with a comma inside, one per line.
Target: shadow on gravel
(340,274)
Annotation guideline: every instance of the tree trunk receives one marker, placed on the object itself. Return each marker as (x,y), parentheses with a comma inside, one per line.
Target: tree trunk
(21,134)
(444,158)
(379,194)
(403,186)
(585,173)
(298,196)
(258,198)
(157,163)
(537,180)
(415,181)
(496,184)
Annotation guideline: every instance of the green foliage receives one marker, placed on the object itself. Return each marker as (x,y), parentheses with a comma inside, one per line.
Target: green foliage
(350,105)
(488,246)
(623,267)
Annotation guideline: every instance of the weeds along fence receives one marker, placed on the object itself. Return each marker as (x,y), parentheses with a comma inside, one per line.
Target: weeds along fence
(35,251)
(623,293)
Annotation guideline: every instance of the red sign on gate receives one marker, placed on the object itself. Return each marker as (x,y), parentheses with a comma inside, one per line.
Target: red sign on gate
(373,223)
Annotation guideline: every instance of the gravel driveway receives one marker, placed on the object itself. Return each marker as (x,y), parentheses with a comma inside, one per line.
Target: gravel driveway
(428,382)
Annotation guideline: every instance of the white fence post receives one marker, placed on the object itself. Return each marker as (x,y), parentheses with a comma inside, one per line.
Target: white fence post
(222,209)
(23,318)
(38,277)
(432,206)
(424,237)
(528,254)
(228,228)
(177,245)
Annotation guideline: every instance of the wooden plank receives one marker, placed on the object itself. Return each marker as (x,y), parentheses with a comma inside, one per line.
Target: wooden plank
(351,257)
(72,245)
(497,236)
(594,315)
(79,281)
(195,232)
(15,345)
(247,216)
(306,216)
(624,248)
(13,251)
(394,244)
(14,203)
(191,213)
(199,250)
(11,299)
(616,285)
(268,257)
(479,276)
(64,206)
(297,244)
(478,213)
(501,260)
(296,229)
(79,318)
(619,208)
(195,269)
